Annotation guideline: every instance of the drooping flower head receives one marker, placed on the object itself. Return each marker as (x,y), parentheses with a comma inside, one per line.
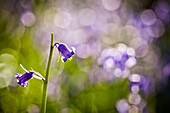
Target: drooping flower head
(23,79)
(65,51)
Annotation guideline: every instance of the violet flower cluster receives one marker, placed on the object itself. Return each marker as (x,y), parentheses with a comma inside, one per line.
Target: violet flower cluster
(118,60)
(140,86)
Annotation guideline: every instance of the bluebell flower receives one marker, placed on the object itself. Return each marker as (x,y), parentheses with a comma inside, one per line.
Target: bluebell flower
(65,51)
(23,79)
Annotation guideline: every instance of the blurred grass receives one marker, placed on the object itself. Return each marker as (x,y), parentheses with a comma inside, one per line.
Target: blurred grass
(80,96)
(100,98)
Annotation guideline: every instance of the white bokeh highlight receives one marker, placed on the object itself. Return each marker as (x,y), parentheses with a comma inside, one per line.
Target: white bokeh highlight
(111,5)
(62,19)
(87,17)
(28,18)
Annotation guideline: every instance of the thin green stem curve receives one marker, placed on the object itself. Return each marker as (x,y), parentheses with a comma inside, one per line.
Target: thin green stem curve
(44,97)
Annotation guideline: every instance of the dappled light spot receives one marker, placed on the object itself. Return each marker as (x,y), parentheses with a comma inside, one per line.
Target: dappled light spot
(122,48)
(83,51)
(111,5)
(135,88)
(131,62)
(8,64)
(134,78)
(162,9)
(134,98)
(62,19)
(166,70)
(126,73)
(148,17)
(28,18)
(117,72)
(77,36)
(87,17)
(33,109)
(122,106)
(109,63)
(156,30)
(130,51)
(133,109)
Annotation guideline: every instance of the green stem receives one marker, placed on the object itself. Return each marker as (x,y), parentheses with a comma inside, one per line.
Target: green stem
(44,97)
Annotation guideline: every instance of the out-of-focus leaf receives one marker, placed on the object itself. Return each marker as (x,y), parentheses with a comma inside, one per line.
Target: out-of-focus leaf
(9,104)
(100,98)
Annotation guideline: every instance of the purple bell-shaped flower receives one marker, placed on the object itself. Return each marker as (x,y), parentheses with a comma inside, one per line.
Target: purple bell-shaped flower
(23,79)
(65,51)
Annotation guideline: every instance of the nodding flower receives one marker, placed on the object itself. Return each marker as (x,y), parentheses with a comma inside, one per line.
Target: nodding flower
(65,51)
(23,79)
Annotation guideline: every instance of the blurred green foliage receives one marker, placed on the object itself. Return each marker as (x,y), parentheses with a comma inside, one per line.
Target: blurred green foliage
(14,98)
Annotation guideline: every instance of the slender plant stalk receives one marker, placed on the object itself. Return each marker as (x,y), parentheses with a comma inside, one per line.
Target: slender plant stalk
(44,97)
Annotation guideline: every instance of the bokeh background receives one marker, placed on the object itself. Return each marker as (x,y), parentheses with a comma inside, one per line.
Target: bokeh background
(122,60)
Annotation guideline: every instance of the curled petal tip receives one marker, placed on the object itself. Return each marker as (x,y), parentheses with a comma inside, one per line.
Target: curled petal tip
(73,49)
(24,84)
(63,59)
(18,76)
(56,44)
